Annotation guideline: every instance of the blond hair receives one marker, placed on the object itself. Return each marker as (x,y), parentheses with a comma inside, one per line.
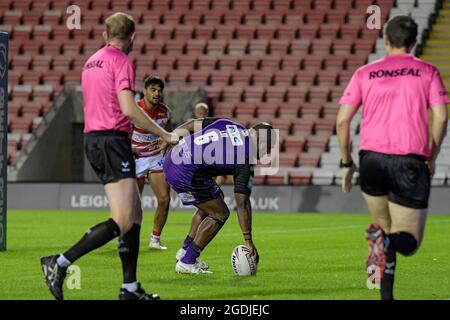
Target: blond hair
(119,26)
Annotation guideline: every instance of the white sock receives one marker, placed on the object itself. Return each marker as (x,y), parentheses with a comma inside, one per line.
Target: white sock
(155,238)
(131,287)
(62,261)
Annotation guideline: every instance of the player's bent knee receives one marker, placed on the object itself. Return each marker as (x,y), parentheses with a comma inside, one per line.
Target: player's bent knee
(124,224)
(220,219)
(163,201)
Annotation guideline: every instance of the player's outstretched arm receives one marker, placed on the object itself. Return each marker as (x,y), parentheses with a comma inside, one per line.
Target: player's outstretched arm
(244,213)
(438,132)
(132,111)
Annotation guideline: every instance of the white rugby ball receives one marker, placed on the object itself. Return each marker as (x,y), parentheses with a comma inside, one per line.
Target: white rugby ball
(242,262)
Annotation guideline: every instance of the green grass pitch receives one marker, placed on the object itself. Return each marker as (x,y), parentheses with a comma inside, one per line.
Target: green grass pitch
(303,256)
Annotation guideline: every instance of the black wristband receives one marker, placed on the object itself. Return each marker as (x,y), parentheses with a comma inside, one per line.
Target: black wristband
(346,165)
(249,233)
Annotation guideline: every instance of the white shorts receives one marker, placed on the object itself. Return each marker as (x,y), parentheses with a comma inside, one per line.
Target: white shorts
(151,164)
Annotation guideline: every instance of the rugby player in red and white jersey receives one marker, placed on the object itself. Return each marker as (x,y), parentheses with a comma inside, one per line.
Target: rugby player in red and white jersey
(149,158)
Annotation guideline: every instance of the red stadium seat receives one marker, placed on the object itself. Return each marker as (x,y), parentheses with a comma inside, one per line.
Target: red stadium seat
(185,62)
(204,32)
(319,94)
(261,78)
(326,125)
(22,62)
(173,47)
(201,5)
(232,94)
(237,47)
(309,159)
(273,19)
(246,109)
(12,17)
(294,144)
(248,64)
(312,110)
(220,77)
(300,178)
(225,110)
(285,77)
(289,110)
(275,179)
(269,110)
(309,31)
(265,32)
(216,47)
(299,47)
(22,32)
(302,127)
(20,125)
(240,79)
(275,94)
(258,46)
(291,63)
(258,180)
(316,16)
(245,32)
(225,32)
(272,62)
(228,62)
(254,94)
(318,141)
(162,32)
(297,94)
(288,32)
(329,31)
(184,32)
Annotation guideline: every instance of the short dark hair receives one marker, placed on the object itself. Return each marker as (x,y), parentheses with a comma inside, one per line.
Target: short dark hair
(401,31)
(153,80)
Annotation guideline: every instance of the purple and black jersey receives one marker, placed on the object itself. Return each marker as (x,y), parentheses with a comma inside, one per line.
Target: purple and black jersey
(221,147)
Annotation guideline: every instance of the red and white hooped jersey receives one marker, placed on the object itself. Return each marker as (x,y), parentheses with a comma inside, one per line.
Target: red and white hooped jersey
(144,143)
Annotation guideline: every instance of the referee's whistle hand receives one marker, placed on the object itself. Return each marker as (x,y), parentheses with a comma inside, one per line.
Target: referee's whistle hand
(347,178)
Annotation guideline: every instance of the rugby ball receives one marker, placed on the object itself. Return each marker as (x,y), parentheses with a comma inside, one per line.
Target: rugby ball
(242,262)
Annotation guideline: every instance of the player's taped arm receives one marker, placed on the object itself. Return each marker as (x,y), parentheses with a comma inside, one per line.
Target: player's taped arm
(244,214)
(242,190)
(138,117)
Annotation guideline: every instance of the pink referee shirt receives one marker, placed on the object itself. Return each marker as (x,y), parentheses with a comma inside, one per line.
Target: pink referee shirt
(396,93)
(105,74)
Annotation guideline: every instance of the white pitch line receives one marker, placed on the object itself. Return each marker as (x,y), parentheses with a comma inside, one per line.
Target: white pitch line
(234,234)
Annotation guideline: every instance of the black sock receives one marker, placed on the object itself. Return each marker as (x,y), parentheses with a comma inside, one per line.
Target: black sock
(403,242)
(187,242)
(94,238)
(129,252)
(195,247)
(387,284)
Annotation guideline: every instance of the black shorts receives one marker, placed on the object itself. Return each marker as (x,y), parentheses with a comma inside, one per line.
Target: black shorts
(405,179)
(110,155)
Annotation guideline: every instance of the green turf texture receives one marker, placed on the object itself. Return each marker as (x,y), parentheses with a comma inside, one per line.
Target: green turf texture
(302,256)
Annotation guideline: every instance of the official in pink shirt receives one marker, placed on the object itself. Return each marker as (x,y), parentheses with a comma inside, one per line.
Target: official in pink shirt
(397,154)
(109,111)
